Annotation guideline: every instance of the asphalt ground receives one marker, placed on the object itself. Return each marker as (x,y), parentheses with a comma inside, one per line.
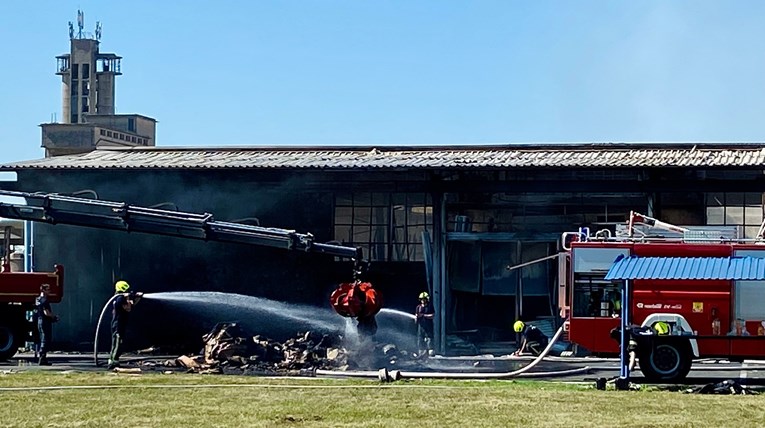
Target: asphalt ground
(750,373)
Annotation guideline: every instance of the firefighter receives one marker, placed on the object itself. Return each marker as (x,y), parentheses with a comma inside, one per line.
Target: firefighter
(636,335)
(121,308)
(45,319)
(424,314)
(616,305)
(661,328)
(532,338)
(632,344)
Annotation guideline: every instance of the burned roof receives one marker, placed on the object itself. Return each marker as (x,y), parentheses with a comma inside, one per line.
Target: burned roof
(572,155)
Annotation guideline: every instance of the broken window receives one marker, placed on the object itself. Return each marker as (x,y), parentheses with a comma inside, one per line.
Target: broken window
(496,257)
(464,264)
(735,209)
(388,226)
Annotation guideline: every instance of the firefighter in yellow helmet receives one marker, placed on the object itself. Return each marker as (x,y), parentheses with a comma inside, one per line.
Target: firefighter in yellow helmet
(122,305)
(532,338)
(424,315)
(661,328)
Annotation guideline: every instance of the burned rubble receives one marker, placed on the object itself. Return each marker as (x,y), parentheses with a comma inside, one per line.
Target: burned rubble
(229,349)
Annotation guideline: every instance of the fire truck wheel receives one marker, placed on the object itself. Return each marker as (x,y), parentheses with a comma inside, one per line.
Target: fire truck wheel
(10,340)
(666,361)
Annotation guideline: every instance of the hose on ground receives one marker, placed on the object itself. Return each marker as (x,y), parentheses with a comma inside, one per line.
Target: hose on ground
(448,375)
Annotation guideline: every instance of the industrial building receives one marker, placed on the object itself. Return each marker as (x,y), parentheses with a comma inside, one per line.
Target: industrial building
(450,219)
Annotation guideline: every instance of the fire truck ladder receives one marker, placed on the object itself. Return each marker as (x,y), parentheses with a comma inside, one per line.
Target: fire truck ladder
(54,208)
(637,218)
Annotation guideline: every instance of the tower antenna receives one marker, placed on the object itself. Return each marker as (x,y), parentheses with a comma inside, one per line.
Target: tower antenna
(80,22)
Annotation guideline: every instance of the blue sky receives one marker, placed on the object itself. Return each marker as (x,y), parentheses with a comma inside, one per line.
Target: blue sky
(401,72)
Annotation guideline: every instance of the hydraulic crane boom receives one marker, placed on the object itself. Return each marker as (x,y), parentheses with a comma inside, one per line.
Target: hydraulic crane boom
(355,299)
(59,209)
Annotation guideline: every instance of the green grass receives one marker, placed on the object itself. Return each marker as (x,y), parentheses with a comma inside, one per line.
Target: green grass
(138,401)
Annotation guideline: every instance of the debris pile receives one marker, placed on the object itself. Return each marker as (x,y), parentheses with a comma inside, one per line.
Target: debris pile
(229,350)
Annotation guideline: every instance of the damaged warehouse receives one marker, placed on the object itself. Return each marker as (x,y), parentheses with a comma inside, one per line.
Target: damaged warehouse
(451,220)
(463,223)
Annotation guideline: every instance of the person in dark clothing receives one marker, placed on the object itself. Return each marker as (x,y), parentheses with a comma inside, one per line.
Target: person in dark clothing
(532,338)
(121,308)
(636,336)
(424,314)
(45,319)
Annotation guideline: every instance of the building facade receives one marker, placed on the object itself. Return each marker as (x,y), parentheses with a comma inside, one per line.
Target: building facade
(451,220)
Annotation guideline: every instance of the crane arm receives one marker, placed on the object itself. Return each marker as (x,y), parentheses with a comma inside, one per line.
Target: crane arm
(54,208)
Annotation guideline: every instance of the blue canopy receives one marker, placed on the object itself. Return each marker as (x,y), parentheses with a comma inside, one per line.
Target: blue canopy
(700,268)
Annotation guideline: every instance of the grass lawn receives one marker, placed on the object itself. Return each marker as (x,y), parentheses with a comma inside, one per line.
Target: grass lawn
(155,400)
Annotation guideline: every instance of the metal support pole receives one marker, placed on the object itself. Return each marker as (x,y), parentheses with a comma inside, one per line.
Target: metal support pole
(28,246)
(624,373)
(440,285)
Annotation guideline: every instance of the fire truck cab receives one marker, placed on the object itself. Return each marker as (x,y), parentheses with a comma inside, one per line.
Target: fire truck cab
(708,287)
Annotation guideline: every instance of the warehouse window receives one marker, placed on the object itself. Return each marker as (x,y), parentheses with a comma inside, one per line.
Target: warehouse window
(735,209)
(388,226)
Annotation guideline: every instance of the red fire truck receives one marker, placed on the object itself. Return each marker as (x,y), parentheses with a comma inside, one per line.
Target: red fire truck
(18,291)
(708,286)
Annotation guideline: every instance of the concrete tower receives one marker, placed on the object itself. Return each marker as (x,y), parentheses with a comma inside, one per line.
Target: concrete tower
(88,75)
(89,120)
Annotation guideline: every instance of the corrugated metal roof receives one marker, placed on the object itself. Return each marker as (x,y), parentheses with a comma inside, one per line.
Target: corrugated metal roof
(445,157)
(702,268)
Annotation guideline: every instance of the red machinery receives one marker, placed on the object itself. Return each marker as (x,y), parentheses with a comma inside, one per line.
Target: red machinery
(678,280)
(18,291)
(357,300)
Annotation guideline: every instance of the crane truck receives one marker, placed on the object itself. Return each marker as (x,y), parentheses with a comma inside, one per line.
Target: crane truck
(355,299)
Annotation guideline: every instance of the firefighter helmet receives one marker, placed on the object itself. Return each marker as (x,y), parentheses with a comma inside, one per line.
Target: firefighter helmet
(518,326)
(661,328)
(424,295)
(121,286)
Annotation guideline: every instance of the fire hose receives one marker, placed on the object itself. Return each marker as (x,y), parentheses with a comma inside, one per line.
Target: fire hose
(383,375)
(98,327)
